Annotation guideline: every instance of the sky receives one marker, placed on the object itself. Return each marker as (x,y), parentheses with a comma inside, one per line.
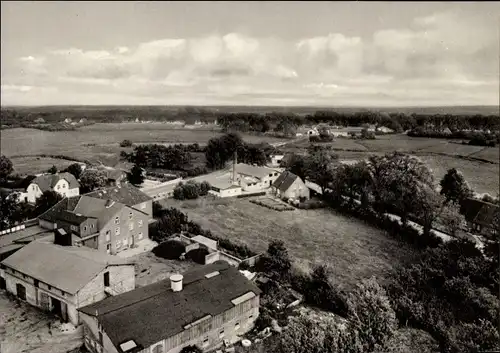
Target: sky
(376,54)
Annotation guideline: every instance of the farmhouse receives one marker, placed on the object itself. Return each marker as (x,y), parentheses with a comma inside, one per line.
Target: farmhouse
(276,160)
(61,279)
(290,186)
(482,217)
(224,189)
(102,224)
(206,307)
(253,178)
(64,184)
(126,194)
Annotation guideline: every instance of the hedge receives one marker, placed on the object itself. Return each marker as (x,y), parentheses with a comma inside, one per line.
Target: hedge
(261,193)
(170,250)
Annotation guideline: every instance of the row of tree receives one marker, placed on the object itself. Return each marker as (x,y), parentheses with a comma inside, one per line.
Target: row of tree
(220,150)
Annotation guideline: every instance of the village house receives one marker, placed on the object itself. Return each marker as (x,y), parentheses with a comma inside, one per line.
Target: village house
(290,186)
(480,216)
(61,279)
(276,160)
(65,184)
(253,178)
(206,307)
(126,194)
(101,224)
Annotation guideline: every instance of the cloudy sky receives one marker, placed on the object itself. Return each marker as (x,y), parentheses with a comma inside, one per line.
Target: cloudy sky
(250,53)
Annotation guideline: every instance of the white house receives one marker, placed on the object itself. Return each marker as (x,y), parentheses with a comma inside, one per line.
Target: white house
(225,189)
(64,184)
(254,178)
(61,279)
(291,186)
(276,159)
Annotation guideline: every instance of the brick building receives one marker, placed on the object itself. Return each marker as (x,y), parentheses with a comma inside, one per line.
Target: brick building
(203,307)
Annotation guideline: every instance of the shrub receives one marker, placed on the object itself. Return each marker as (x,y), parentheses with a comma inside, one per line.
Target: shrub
(171,250)
(126,143)
(302,199)
(197,255)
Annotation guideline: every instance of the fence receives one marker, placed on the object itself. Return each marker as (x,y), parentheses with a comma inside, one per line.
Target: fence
(28,223)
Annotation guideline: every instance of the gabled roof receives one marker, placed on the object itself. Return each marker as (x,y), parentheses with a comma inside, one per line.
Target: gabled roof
(285,180)
(140,314)
(48,181)
(254,171)
(78,208)
(66,268)
(125,193)
(480,212)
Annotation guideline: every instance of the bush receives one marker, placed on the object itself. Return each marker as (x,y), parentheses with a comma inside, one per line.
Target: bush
(196,171)
(191,190)
(170,250)
(197,255)
(126,143)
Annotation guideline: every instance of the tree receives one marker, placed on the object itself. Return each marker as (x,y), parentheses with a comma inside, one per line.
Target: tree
(371,315)
(451,218)
(52,170)
(126,143)
(5,168)
(75,169)
(135,176)
(322,293)
(45,202)
(220,150)
(428,207)
(320,168)
(7,210)
(302,336)
(296,165)
(171,222)
(404,183)
(475,337)
(91,180)
(454,187)
(276,262)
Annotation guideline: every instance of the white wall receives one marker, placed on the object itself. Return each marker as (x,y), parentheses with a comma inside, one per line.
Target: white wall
(33,192)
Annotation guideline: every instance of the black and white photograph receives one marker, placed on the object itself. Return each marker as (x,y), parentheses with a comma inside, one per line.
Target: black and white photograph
(250,177)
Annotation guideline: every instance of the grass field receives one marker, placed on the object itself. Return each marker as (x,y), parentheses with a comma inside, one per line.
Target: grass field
(439,154)
(98,142)
(353,250)
(35,165)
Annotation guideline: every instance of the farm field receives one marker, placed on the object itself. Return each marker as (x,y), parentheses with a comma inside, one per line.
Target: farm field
(439,154)
(98,143)
(353,250)
(35,165)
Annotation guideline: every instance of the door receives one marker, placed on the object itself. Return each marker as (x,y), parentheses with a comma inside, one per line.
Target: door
(44,301)
(21,291)
(3,284)
(56,307)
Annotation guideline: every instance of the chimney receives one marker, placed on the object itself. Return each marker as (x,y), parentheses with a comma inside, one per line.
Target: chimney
(235,160)
(62,237)
(176,282)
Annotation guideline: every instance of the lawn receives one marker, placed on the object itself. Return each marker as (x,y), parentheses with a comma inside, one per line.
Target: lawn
(35,165)
(491,154)
(99,143)
(353,249)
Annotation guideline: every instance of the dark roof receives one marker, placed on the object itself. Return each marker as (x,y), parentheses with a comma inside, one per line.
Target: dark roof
(125,193)
(48,181)
(65,267)
(480,212)
(140,315)
(285,180)
(78,208)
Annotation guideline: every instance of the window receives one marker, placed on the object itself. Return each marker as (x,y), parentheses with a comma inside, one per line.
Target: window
(117,220)
(131,226)
(108,235)
(139,236)
(108,248)
(92,226)
(49,287)
(106,279)
(58,187)
(158,349)
(140,223)
(64,186)
(221,333)
(117,231)
(125,242)
(237,326)
(75,228)
(84,228)
(205,342)
(62,293)
(130,215)
(118,244)
(251,316)
(143,206)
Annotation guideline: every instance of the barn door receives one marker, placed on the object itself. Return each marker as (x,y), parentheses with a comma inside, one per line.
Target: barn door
(21,291)
(44,301)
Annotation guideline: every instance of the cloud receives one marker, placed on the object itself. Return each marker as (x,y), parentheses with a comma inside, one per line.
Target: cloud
(444,58)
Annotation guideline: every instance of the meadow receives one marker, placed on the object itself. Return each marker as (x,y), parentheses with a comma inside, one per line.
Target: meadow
(98,143)
(480,165)
(352,249)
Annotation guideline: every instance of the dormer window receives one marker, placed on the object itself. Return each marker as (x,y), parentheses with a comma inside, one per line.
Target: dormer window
(117,220)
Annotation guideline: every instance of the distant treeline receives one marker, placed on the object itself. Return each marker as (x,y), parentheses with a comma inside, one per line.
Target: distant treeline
(475,138)
(280,122)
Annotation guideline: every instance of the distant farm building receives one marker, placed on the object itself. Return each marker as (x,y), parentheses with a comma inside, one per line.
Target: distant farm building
(290,186)
(482,217)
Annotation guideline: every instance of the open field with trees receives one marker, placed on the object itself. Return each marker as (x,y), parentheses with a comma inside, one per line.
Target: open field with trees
(353,250)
